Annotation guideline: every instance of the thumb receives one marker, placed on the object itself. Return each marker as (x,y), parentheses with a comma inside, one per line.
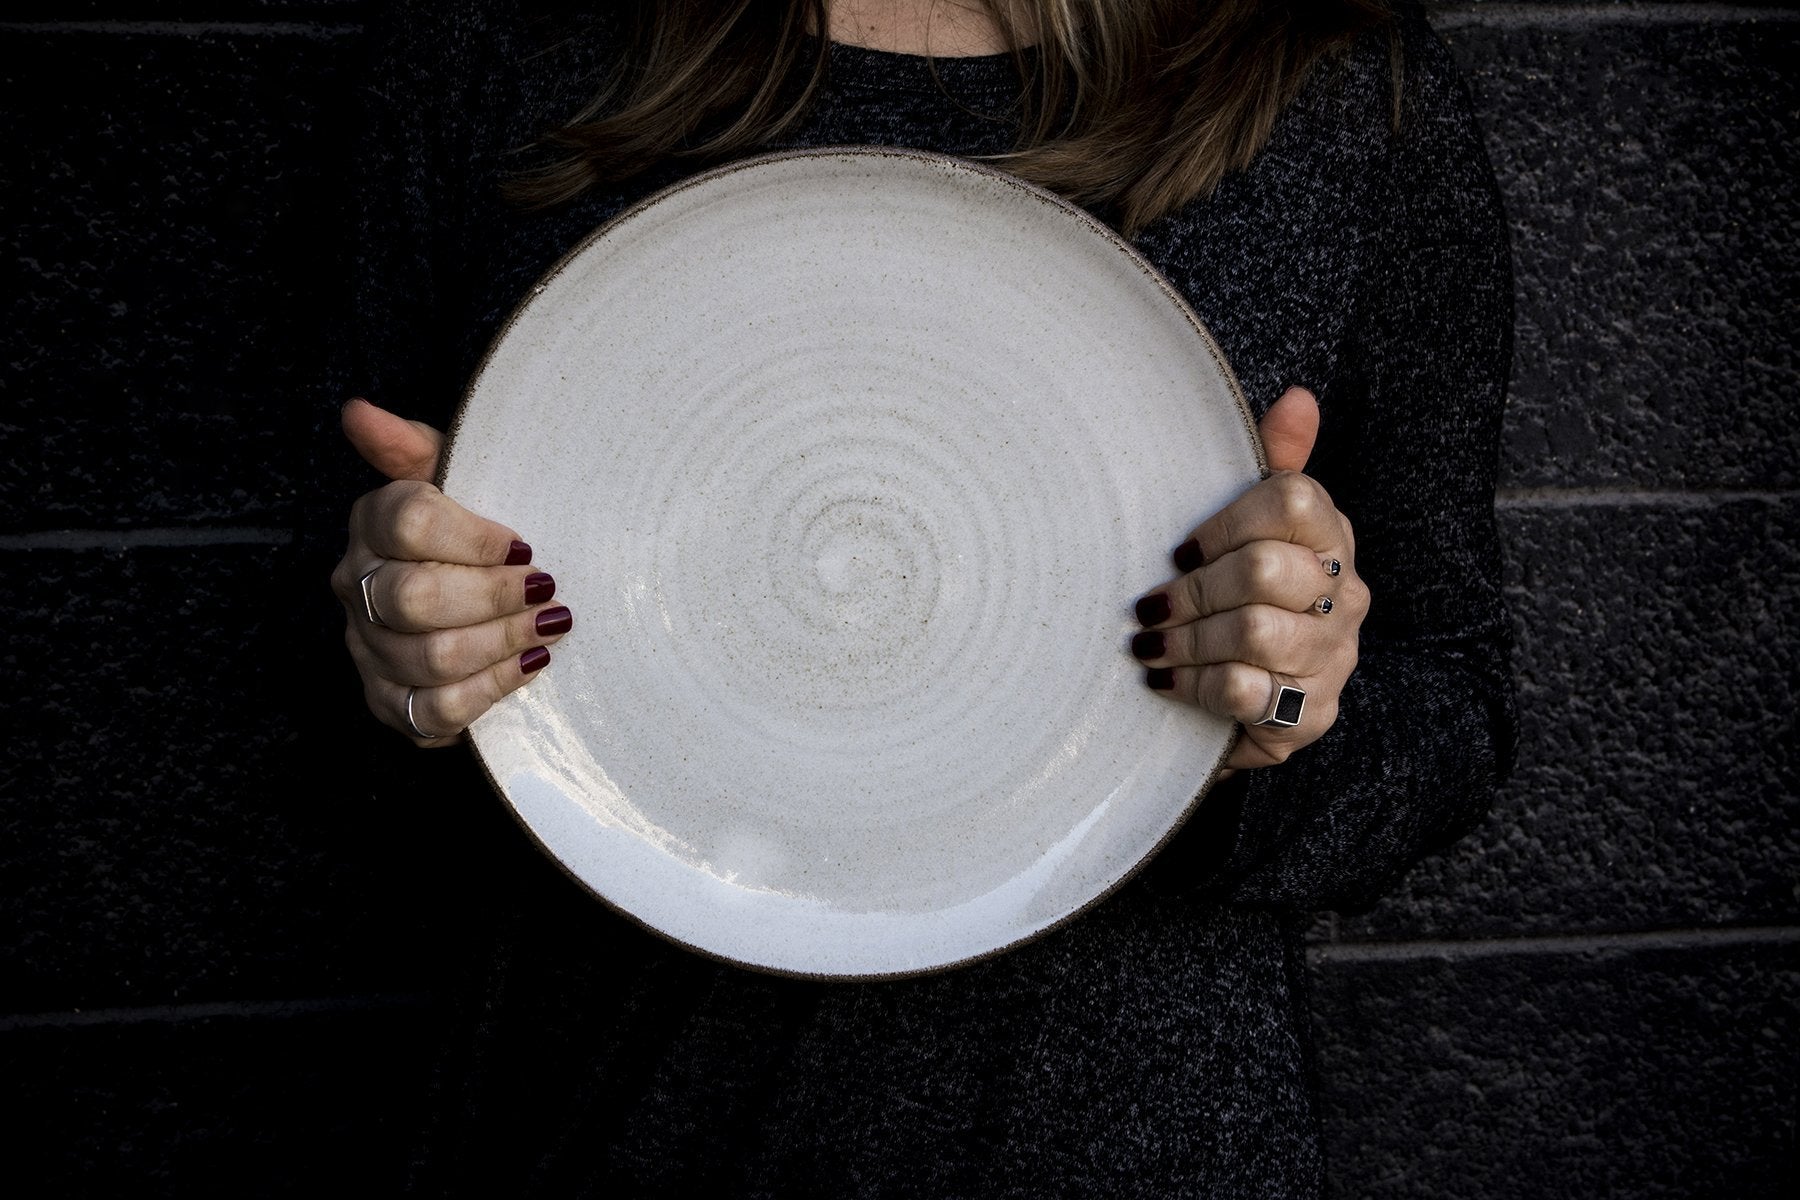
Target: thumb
(1289,429)
(398,448)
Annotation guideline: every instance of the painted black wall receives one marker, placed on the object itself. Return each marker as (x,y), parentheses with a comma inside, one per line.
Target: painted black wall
(219,957)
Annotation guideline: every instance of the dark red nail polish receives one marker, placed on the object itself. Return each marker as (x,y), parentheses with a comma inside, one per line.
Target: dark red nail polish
(1161,679)
(518,554)
(1187,556)
(1153,610)
(1148,645)
(534,659)
(554,620)
(539,587)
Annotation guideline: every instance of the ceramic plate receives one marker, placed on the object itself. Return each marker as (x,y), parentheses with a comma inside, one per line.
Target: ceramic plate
(851,464)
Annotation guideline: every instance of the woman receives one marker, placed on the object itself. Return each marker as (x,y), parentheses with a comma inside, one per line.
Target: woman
(1311,179)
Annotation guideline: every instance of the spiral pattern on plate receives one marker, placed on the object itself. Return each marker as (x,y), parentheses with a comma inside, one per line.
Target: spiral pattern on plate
(850,466)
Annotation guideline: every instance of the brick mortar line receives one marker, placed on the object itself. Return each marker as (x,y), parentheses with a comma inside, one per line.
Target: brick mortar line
(320,30)
(1557,497)
(1590,16)
(138,539)
(1323,954)
(252,1009)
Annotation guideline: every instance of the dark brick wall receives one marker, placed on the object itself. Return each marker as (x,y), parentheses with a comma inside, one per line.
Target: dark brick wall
(219,958)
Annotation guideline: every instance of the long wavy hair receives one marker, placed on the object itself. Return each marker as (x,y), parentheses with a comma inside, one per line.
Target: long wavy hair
(1130,106)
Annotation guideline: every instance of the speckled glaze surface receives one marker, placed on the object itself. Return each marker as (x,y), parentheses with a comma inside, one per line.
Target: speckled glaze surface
(851,464)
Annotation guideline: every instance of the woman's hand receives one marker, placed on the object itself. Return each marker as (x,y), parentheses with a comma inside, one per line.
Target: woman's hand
(1269,596)
(461,617)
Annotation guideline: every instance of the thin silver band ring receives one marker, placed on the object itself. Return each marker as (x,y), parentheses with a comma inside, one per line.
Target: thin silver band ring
(412,721)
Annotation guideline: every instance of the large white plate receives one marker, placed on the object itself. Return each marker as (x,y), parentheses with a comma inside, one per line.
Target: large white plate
(851,464)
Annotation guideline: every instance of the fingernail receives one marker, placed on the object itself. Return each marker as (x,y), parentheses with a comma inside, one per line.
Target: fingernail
(518,554)
(1187,556)
(554,620)
(1148,645)
(539,587)
(1153,610)
(534,659)
(1161,679)
(1332,566)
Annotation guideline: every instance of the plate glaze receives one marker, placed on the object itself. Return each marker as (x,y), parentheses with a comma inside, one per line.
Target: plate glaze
(850,464)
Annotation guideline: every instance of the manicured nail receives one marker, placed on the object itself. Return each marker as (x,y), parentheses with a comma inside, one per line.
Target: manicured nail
(1323,604)
(539,587)
(1187,556)
(554,620)
(1161,679)
(534,659)
(1153,610)
(1332,566)
(518,554)
(1148,645)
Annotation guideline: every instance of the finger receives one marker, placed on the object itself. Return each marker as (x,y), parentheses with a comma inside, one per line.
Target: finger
(398,448)
(1289,429)
(444,656)
(1270,638)
(1263,572)
(416,597)
(454,706)
(416,522)
(1285,507)
(1236,690)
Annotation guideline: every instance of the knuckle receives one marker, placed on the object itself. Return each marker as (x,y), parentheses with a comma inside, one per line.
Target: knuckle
(1242,690)
(416,595)
(497,681)
(1257,633)
(1263,569)
(1295,495)
(412,525)
(504,592)
(440,654)
(1189,593)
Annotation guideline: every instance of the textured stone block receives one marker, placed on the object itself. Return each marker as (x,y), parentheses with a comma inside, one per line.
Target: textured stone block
(1646,1073)
(171,235)
(1659,653)
(204,812)
(1648,173)
(271,1106)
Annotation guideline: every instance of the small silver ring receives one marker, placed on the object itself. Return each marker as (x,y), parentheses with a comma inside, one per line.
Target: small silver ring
(368,595)
(412,721)
(1287,704)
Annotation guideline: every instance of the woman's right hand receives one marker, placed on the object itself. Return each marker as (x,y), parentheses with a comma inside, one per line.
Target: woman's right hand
(462,618)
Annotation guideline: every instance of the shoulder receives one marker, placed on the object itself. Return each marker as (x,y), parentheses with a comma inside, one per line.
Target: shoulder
(1396,107)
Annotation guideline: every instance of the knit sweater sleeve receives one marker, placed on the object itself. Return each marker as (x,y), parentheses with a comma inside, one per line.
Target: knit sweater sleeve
(1409,449)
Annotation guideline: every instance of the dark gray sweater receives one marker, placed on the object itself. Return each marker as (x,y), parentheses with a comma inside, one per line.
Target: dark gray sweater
(1157,1046)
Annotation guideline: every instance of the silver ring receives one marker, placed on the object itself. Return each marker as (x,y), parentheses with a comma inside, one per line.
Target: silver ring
(368,595)
(412,721)
(1286,705)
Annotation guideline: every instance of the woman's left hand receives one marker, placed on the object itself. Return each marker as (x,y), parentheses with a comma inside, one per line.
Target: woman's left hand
(1269,596)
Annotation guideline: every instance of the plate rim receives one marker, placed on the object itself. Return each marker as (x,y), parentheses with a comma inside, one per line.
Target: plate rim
(935,158)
